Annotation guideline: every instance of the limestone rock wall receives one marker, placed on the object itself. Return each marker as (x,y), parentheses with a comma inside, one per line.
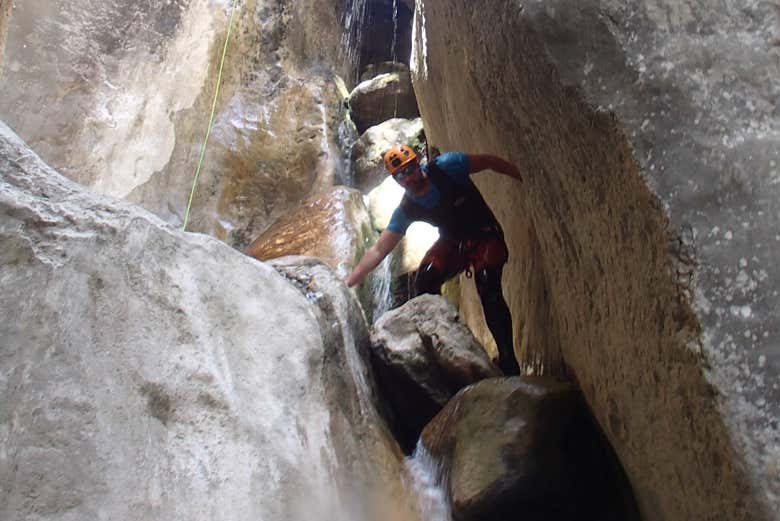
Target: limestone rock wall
(643,240)
(117,96)
(153,374)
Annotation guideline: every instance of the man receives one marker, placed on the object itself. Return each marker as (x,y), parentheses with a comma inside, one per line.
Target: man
(442,194)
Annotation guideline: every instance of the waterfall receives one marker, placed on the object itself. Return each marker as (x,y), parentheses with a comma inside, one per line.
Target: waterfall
(381,287)
(394,52)
(428,484)
(352,36)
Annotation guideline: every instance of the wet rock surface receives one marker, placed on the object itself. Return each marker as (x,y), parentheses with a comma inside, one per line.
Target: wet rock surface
(524,447)
(423,356)
(333,226)
(647,136)
(155,374)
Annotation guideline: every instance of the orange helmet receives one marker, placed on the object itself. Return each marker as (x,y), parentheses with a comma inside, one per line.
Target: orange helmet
(398,157)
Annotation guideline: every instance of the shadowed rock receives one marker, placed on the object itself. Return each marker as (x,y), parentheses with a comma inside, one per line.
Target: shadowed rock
(524,448)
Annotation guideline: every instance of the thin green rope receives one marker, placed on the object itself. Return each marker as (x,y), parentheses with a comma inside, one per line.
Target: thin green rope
(211,118)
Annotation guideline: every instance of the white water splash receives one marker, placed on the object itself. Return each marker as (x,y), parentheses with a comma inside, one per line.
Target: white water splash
(381,287)
(428,483)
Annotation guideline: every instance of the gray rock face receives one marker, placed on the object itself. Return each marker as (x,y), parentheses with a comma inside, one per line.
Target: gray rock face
(646,228)
(383,97)
(152,374)
(121,103)
(367,152)
(525,445)
(424,355)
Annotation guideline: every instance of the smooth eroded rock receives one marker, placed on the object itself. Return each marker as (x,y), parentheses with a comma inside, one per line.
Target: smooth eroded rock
(154,374)
(645,229)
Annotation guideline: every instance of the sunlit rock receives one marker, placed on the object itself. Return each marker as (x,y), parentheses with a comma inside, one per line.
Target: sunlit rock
(526,445)
(333,226)
(368,151)
(381,98)
(117,96)
(155,374)
(424,355)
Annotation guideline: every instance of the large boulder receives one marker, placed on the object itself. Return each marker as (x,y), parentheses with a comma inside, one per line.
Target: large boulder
(381,98)
(524,447)
(155,374)
(117,96)
(333,226)
(368,150)
(423,356)
(643,239)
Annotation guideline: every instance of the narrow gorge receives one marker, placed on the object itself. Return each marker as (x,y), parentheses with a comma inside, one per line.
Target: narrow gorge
(225,371)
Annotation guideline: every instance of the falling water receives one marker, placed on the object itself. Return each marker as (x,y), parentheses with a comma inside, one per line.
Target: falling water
(428,481)
(394,52)
(381,287)
(352,35)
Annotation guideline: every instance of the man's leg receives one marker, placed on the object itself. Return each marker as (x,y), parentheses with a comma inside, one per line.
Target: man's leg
(488,259)
(440,263)
(498,317)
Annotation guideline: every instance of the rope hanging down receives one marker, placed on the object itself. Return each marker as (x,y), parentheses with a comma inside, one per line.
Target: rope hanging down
(211,118)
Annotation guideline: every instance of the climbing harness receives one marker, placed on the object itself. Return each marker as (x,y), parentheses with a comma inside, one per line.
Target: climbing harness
(211,118)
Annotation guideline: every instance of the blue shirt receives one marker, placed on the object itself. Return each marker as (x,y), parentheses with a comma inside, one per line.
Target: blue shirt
(455,165)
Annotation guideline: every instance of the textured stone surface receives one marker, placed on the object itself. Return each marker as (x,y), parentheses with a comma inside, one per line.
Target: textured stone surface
(383,97)
(333,226)
(369,167)
(5,12)
(526,444)
(152,374)
(424,355)
(647,222)
(121,103)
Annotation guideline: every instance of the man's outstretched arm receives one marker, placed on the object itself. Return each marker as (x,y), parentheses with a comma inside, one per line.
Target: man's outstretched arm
(479,162)
(373,256)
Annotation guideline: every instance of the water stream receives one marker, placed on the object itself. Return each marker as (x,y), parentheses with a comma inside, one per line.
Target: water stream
(427,481)
(381,287)
(394,51)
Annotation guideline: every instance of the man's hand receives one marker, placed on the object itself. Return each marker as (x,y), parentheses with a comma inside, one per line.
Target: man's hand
(373,256)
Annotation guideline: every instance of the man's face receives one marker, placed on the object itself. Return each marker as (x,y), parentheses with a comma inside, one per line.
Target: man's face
(410,177)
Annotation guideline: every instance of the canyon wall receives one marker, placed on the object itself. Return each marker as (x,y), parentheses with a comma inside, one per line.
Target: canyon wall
(643,238)
(117,96)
